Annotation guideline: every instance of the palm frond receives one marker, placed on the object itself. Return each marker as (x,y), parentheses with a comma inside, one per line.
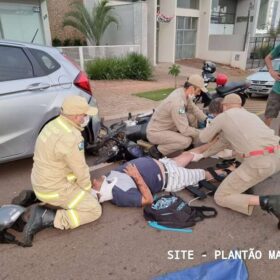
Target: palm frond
(92,25)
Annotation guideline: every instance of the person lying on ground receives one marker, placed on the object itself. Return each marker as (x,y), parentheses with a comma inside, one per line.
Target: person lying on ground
(135,182)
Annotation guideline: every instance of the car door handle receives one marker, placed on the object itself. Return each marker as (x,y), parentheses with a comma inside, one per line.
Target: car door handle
(38,86)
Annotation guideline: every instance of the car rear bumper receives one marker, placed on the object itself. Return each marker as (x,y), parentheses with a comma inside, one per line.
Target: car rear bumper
(94,124)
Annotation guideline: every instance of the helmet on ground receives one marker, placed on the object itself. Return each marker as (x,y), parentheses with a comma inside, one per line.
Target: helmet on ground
(10,217)
(209,67)
(134,151)
(221,79)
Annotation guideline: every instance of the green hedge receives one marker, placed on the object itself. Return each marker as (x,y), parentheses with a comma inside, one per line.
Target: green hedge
(134,66)
(261,52)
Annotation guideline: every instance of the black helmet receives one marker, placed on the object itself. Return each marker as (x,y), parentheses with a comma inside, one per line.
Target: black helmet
(134,151)
(10,217)
(209,67)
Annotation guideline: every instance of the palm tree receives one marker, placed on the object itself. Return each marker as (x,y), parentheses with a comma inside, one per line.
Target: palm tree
(92,25)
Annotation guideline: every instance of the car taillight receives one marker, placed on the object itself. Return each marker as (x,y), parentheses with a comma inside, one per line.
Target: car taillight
(83,83)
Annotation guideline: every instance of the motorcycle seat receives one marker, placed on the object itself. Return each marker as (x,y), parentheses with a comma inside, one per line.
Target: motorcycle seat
(231,86)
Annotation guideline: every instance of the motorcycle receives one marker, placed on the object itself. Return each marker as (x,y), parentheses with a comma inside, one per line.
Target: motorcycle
(113,144)
(223,88)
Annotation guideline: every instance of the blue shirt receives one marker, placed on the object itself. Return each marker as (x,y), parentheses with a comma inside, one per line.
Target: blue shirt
(125,192)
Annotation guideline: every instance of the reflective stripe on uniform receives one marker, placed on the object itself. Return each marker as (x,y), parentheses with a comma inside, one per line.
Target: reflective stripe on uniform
(88,187)
(63,124)
(71,177)
(46,196)
(74,218)
(76,200)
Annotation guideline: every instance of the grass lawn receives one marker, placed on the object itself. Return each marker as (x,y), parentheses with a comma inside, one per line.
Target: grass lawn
(155,95)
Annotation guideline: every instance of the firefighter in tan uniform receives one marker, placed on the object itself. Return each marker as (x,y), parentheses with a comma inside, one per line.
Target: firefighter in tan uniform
(172,126)
(219,146)
(60,176)
(257,145)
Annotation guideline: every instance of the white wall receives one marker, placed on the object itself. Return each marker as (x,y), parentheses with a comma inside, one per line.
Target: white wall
(233,58)
(152,30)
(203,28)
(45,22)
(140,26)
(167,33)
(226,42)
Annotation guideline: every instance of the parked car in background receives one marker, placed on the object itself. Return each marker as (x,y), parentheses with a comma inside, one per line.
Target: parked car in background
(261,81)
(34,80)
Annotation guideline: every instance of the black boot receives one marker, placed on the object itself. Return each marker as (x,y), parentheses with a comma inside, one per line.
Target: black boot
(155,153)
(271,203)
(40,218)
(25,198)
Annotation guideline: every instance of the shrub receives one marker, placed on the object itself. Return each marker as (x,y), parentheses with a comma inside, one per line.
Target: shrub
(138,67)
(133,66)
(56,42)
(67,42)
(261,52)
(77,42)
(174,70)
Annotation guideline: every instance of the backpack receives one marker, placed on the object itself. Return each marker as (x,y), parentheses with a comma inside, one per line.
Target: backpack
(172,211)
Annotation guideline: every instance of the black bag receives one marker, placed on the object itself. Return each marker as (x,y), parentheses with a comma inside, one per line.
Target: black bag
(172,211)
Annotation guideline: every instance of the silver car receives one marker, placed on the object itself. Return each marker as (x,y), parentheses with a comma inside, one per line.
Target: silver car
(261,81)
(34,80)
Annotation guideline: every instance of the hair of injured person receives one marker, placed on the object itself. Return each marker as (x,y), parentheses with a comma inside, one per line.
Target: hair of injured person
(215,106)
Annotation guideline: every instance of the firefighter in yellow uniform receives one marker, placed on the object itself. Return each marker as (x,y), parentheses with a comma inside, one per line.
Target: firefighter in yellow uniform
(173,126)
(257,145)
(60,176)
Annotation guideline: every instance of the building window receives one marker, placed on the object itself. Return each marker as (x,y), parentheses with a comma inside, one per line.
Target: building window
(188,4)
(186,30)
(21,22)
(223,16)
(263,19)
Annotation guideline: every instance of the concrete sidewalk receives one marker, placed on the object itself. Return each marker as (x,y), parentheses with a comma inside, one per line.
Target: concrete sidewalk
(116,98)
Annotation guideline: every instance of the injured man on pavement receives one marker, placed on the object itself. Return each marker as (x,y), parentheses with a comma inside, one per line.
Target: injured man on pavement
(134,183)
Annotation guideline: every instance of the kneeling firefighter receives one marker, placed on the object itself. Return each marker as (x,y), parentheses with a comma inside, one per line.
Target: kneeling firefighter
(60,176)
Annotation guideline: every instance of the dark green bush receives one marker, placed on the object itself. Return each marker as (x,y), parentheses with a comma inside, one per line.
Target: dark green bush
(133,66)
(77,42)
(138,67)
(67,42)
(261,52)
(56,42)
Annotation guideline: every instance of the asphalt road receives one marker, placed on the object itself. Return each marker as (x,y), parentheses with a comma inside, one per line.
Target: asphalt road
(120,245)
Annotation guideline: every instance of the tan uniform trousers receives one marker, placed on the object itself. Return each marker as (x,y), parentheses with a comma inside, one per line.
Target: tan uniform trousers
(79,207)
(172,141)
(252,171)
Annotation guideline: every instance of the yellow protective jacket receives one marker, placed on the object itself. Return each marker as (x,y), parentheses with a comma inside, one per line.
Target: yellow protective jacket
(59,160)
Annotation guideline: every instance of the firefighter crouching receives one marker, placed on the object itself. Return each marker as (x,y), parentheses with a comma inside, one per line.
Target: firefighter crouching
(257,145)
(60,176)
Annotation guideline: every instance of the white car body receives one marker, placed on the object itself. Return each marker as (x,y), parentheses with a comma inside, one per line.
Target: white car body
(261,81)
